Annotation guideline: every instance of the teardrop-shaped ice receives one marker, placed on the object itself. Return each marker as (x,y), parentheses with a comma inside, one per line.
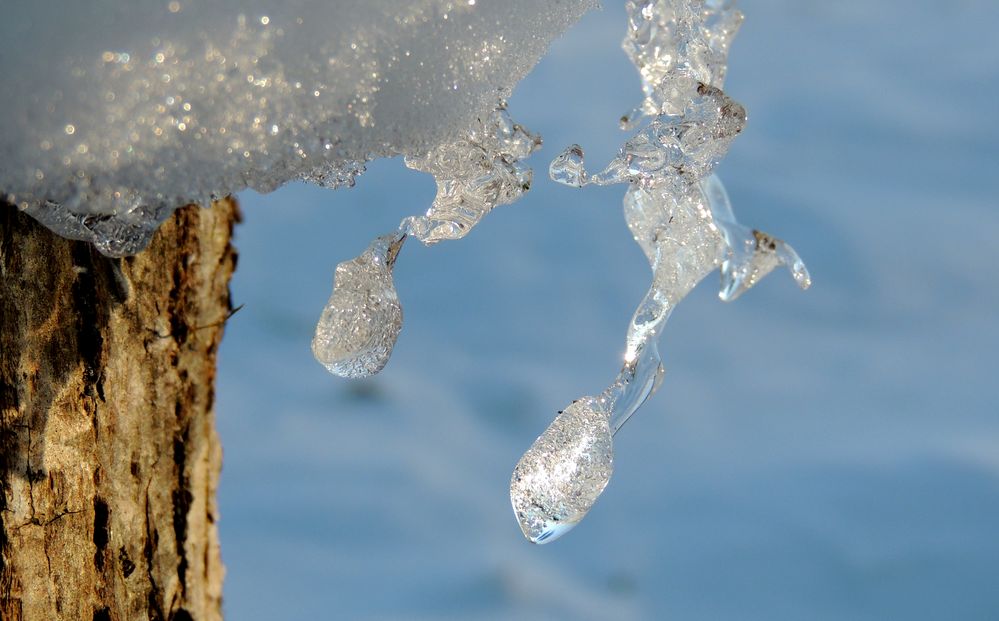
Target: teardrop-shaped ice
(751,254)
(560,477)
(360,323)
(475,173)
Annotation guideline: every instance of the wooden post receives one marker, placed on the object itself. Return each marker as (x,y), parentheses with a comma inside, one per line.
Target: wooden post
(109,459)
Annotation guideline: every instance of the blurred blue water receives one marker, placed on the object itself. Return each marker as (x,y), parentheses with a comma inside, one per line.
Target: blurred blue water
(832,454)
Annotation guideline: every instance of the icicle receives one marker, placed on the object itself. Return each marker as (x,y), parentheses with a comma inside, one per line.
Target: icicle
(483,169)
(674,44)
(680,215)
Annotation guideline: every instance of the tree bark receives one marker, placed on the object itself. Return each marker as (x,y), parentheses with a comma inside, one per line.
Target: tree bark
(109,458)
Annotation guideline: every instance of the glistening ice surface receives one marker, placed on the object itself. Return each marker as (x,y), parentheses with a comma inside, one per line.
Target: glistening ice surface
(826,455)
(116,113)
(679,215)
(363,317)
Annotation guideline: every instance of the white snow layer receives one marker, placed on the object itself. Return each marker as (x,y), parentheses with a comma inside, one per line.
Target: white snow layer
(115,113)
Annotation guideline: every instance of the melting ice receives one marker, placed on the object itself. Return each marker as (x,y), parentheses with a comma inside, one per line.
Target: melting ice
(679,214)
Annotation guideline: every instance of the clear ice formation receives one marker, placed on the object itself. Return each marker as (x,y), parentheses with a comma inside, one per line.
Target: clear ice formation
(474,173)
(674,44)
(116,113)
(565,470)
(679,214)
(361,321)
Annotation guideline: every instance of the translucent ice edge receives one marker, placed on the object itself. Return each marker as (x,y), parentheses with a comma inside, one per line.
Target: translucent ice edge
(130,110)
(679,213)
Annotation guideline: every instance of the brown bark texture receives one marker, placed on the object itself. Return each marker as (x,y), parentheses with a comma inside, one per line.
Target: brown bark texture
(109,459)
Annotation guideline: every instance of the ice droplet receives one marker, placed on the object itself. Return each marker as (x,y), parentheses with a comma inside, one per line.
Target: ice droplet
(361,322)
(568,168)
(560,477)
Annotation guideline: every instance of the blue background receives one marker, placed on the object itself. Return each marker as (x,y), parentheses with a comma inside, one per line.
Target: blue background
(832,454)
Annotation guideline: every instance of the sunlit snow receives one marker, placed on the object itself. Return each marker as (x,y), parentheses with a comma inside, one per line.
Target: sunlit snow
(116,113)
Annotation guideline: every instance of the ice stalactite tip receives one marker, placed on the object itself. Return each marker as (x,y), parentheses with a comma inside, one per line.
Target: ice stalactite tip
(116,114)
(564,472)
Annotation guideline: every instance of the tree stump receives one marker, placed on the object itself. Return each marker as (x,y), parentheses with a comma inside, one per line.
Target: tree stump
(109,459)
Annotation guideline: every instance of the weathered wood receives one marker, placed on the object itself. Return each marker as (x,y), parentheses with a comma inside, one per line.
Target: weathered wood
(109,458)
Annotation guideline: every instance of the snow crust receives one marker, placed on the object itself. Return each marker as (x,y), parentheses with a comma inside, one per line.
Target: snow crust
(114,113)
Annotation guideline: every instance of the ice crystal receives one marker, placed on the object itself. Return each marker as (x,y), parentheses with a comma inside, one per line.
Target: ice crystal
(335,175)
(565,470)
(128,112)
(679,214)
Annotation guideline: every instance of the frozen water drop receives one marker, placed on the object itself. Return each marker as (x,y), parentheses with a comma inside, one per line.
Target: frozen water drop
(750,254)
(569,168)
(361,322)
(559,478)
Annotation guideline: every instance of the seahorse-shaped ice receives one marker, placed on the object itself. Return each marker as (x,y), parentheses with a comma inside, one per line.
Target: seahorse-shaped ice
(679,214)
